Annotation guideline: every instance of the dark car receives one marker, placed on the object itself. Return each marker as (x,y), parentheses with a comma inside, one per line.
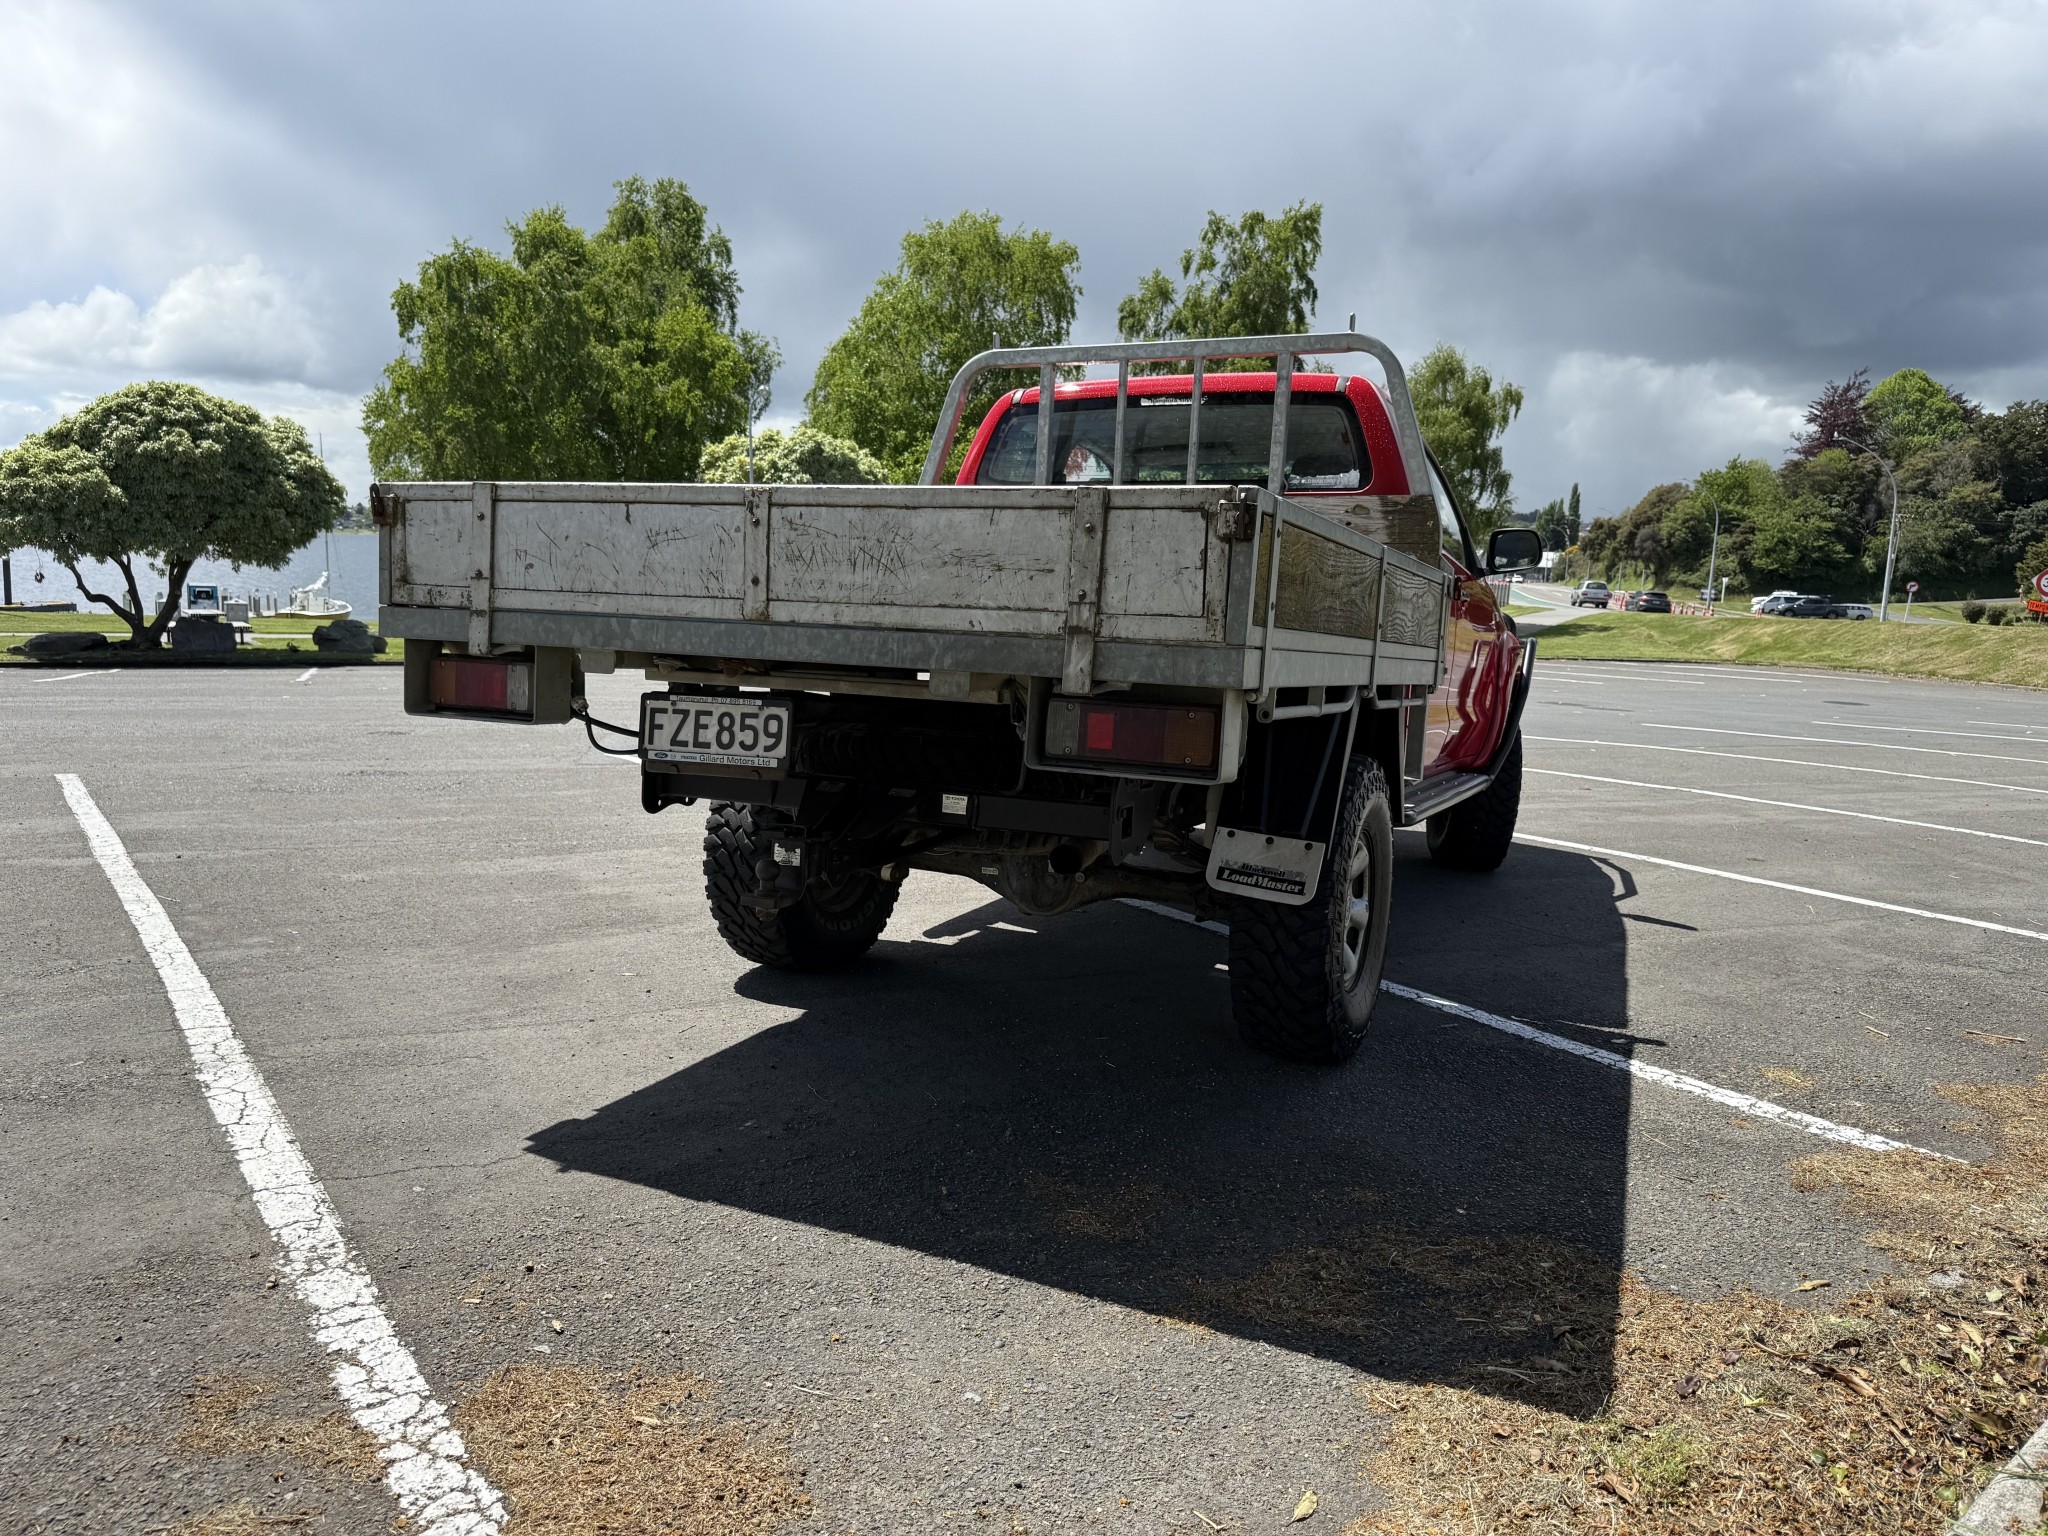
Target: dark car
(1806,606)
(1648,602)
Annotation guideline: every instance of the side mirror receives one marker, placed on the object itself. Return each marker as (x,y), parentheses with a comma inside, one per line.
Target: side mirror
(1513,549)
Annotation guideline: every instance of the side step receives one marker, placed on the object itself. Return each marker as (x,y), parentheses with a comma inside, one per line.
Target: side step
(1434,795)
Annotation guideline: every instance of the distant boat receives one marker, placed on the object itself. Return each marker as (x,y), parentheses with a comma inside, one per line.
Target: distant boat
(313,603)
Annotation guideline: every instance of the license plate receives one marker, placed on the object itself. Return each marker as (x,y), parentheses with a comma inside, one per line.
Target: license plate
(729,732)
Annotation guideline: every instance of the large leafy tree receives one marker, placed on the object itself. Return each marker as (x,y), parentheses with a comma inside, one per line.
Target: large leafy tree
(960,288)
(607,356)
(1838,412)
(1255,277)
(165,474)
(2016,443)
(1463,414)
(805,456)
(1910,412)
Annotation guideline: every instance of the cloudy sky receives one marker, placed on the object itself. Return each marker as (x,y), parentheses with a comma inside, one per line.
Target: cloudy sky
(1669,223)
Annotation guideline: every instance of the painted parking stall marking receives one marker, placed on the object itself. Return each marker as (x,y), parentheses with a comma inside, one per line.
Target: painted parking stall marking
(1791,762)
(376,1376)
(1782,885)
(1791,805)
(1832,741)
(1745,1103)
(1748,1104)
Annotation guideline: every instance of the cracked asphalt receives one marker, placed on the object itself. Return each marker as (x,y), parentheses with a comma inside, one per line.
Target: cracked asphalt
(974,1231)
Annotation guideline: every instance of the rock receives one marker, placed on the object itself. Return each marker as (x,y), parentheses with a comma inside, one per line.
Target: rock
(348,637)
(200,632)
(65,642)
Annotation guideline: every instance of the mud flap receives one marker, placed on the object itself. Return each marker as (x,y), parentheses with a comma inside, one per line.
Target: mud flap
(1273,827)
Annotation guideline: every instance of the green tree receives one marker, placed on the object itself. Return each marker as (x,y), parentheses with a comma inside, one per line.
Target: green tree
(1910,411)
(1571,516)
(613,356)
(1256,277)
(804,456)
(1463,414)
(958,288)
(1551,522)
(2016,442)
(167,474)
(2033,561)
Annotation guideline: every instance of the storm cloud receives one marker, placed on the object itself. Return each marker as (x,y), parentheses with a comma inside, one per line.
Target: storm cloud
(1669,224)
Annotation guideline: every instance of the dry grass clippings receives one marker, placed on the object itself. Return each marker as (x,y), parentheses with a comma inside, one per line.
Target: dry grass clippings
(1738,1414)
(240,1518)
(223,1418)
(580,1453)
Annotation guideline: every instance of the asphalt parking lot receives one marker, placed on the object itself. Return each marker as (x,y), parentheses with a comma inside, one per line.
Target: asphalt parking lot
(984,1230)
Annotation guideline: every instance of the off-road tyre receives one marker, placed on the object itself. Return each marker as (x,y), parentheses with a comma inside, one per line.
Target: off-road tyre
(833,924)
(1475,835)
(1299,989)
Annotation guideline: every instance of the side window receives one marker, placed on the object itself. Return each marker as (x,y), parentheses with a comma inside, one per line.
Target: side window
(1455,543)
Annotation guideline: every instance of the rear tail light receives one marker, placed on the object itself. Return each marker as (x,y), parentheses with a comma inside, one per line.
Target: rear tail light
(533,687)
(467,684)
(1172,736)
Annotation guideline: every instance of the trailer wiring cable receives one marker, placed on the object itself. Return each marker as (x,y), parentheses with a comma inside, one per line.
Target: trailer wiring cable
(580,710)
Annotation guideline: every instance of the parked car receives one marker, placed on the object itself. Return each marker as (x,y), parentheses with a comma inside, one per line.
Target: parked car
(1758,604)
(1590,594)
(1803,606)
(1856,611)
(1648,602)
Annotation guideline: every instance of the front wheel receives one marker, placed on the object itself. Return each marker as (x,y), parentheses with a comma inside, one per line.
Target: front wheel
(835,921)
(1476,834)
(1303,980)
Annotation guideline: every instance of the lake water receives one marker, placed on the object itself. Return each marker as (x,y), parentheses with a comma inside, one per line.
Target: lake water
(352,576)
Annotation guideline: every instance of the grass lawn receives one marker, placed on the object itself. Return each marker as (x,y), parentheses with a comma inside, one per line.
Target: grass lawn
(271,633)
(1969,653)
(1517,610)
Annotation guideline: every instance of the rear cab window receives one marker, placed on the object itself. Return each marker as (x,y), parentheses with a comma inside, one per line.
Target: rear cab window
(1325,449)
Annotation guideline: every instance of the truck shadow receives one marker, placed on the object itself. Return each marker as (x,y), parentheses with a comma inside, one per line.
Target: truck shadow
(1070,1106)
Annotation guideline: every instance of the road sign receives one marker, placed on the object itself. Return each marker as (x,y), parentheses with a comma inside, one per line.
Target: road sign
(1912,586)
(2041,585)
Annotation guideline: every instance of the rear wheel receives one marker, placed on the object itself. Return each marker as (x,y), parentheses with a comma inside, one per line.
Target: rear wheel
(835,921)
(1475,834)
(1303,980)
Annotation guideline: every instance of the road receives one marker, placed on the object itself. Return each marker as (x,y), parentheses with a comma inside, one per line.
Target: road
(1004,1224)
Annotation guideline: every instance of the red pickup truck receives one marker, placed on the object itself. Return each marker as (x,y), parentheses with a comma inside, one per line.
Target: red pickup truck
(1202,639)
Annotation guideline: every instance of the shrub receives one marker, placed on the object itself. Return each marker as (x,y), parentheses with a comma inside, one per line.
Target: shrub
(1973,612)
(1997,616)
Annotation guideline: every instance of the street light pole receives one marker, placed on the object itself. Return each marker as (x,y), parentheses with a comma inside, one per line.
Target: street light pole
(1714,553)
(757,402)
(1891,543)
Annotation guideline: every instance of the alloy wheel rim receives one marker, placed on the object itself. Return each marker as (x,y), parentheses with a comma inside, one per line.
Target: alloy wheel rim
(1357,899)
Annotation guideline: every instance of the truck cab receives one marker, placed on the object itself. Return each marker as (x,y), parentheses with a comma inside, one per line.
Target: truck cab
(1342,460)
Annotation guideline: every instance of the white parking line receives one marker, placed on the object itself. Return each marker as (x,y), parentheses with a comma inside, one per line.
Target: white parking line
(1782,885)
(1831,741)
(1792,805)
(1793,762)
(2011,725)
(377,1377)
(307,675)
(1745,674)
(68,677)
(1748,1104)
(1911,730)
